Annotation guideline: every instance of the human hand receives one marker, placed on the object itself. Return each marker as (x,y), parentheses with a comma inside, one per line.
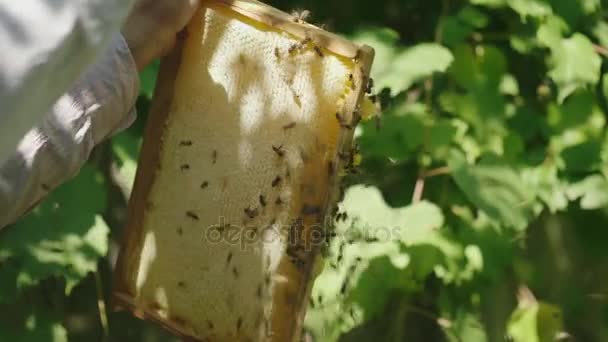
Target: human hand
(152,26)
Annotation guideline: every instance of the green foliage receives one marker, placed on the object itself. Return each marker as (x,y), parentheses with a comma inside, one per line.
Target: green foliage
(479,213)
(500,130)
(497,190)
(64,236)
(535,322)
(32,318)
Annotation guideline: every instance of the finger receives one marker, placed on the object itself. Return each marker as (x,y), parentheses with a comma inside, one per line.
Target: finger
(188,9)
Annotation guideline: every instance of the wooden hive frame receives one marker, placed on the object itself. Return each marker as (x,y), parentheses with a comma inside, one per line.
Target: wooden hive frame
(287,319)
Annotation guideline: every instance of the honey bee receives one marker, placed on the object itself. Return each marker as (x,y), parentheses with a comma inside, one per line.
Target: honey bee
(262,201)
(370,86)
(289,125)
(293,48)
(276,181)
(342,121)
(258,292)
(343,156)
(185,143)
(356,116)
(191,215)
(344,285)
(229,258)
(214,156)
(277,53)
(204,184)
(299,45)
(305,41)
(278,150)
(299,16)
(357,56)
(184,167)
(251,213)
(318,51)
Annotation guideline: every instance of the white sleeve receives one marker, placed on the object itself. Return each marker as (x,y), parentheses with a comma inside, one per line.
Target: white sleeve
(45,46)
(99,104)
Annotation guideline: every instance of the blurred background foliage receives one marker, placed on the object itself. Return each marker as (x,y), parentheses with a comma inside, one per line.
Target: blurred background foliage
(480,212)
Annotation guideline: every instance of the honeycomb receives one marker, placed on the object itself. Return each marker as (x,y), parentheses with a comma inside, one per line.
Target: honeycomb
(245,166)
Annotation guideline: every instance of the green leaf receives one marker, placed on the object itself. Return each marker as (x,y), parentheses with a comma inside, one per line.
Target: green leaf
(371,295)
(535,322)
(530,8)
(574,12)
(473,17)
(416,63)
(385,42)
(454,31)
(576,111)
(467,327)
(396,68)
(550,32)
(441,135)
(600,31)
(574,64)
(583,157)
(592,191)
(408,247)
(125,149)
(477,71)
(147,78)
(549,187)
(64,236)
(496,189)
(489,3)
(401,134)
(508,85)
(31,318)
(419,221)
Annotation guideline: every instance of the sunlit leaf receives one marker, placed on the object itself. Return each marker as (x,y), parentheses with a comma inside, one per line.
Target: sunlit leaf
(530,8)
(125,148)
(574,64)
(416,63)
(64,236)
(535,322)
(496,189)
(592,191)
(399,68)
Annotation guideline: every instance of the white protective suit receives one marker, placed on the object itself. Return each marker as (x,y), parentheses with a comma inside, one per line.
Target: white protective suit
(67,81)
